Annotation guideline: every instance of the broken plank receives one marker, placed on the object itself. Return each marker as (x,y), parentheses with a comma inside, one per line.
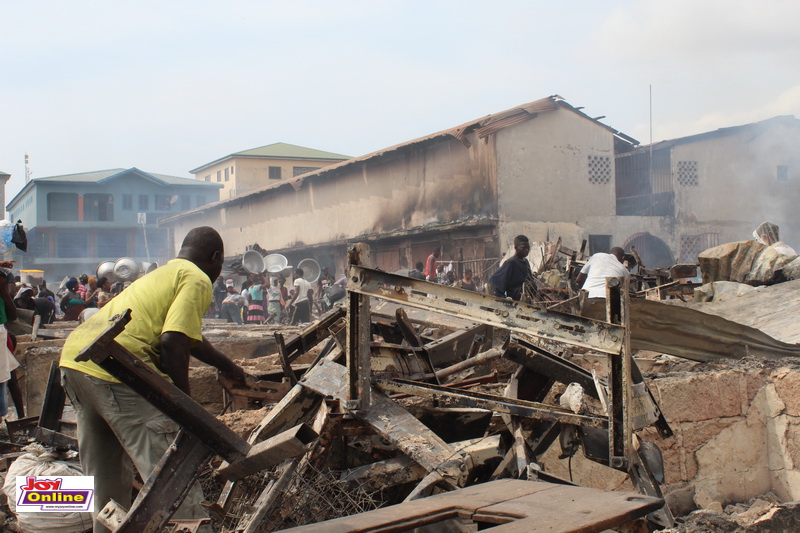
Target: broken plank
(167,486)
(297,345)
(387,418)
(270,452)
(500,404)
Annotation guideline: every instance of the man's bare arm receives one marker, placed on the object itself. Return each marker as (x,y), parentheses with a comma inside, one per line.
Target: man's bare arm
(175,358)
(206,353)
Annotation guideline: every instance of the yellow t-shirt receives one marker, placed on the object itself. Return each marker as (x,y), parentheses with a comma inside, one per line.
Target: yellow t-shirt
(173,297)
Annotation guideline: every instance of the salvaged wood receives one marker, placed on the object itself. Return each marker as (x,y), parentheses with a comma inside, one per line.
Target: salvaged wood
(165,488)
(270,452)
(509,505)
(389,420)
(297,345)
(499,404)
(54,399)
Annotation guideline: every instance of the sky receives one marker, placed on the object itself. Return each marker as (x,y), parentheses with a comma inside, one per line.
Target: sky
(167,86)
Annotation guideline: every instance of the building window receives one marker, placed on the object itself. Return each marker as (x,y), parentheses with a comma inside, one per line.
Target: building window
(111,243)
(98,207)
(227,176)
(162,202)
(199,200)
(232,170)
(186,202)
(693,245)
(144,202)
(62,206)
(219,176)
(296,171)
(599,169)
(127,202)
(274,173)
(599,244)
(72,243)
(783,172)
(687,174)
(208,177)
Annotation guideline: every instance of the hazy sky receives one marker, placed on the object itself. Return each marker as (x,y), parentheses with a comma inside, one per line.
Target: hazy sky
(167,86)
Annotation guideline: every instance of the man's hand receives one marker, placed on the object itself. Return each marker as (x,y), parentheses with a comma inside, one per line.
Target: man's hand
(235,373)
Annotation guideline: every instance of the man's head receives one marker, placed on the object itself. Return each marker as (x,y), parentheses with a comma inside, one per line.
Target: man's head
(522,246)
(25,293)
(230,290)
(298,272)
(84,279)
(618,252)
(71,284)
(468,274)
(437,252)
(420,266)
(203,247)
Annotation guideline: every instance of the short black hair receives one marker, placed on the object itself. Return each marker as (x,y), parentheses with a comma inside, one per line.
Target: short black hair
(520,239)
(420,265)
(202,241)
(299,271)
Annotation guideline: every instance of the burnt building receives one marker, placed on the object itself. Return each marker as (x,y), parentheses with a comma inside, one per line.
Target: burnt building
(469,189)
(543,169)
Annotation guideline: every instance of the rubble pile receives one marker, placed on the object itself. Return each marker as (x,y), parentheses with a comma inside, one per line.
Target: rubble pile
(423,407)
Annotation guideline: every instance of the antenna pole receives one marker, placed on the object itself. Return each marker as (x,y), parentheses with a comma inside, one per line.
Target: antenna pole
(651,136)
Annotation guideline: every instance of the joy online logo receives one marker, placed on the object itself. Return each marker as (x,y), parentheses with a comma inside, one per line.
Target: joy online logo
(40,494)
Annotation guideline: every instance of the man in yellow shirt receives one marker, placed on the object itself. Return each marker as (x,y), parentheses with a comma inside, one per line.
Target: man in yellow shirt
(114,422)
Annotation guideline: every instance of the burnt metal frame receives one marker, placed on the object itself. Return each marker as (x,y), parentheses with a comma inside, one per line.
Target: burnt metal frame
(612,338)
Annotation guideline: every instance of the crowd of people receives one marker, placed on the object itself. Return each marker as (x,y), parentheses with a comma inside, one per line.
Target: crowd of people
(266,299)
(444,273)
(77,299)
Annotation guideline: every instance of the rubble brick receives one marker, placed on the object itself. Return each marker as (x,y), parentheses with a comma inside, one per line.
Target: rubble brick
(787,385)
(695,397)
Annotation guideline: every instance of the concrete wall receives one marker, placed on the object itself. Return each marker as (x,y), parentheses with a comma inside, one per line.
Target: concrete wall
(543,178)
(433,183)
(738,186)
(247,174)
(736,437)
(544,192)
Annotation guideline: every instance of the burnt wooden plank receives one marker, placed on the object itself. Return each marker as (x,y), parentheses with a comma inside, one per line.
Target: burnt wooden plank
(297,345)
(387,418)
(500,404)
(524,506)
(170,400)
(54,399)
(167,486)
(270,452)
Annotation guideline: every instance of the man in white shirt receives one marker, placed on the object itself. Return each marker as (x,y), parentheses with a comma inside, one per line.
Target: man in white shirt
(303,296)
(600,266)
